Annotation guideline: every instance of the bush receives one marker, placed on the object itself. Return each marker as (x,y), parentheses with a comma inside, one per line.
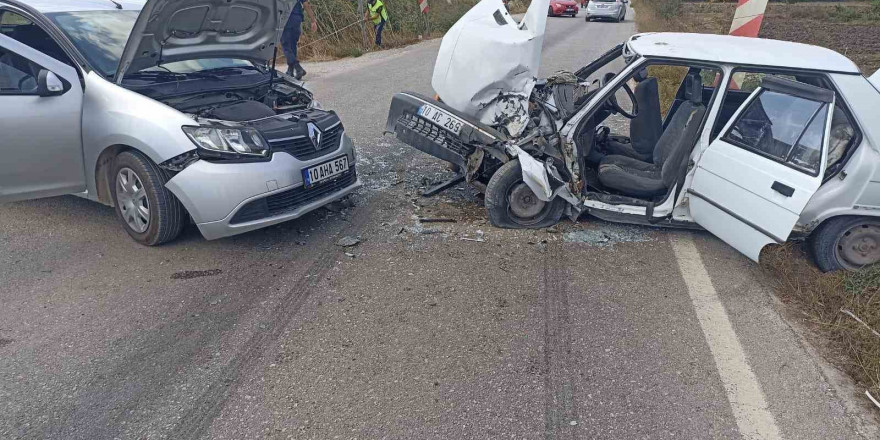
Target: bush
(668,9)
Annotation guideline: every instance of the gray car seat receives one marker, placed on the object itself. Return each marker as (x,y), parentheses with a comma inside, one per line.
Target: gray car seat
(637,178)
(645,129)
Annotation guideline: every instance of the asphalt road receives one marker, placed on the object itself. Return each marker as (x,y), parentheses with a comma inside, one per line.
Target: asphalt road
(588,330)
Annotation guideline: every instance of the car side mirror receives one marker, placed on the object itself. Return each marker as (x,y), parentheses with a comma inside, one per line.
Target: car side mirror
(49,84)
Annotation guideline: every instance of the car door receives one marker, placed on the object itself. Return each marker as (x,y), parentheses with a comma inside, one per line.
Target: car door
(40,130)
(751,184)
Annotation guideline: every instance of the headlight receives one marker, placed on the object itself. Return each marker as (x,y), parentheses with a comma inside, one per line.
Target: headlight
(228,143)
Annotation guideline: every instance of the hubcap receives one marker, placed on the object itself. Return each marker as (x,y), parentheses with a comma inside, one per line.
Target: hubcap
(132,200)
(523,203)
(860,245)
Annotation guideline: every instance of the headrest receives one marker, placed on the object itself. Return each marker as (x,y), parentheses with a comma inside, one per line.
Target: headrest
(641,75)
(693,88)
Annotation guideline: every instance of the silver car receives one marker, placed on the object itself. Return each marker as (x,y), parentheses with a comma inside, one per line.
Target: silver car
(614,10)
(167,112)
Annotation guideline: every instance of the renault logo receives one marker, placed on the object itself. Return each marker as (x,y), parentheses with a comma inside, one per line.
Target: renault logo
(314,135)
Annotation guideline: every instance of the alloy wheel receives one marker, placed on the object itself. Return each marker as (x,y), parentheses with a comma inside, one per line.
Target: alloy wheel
(132,200)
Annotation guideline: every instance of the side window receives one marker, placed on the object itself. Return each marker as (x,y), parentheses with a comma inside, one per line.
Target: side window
(739,88)
(18,75)
(786,128)
(24,31)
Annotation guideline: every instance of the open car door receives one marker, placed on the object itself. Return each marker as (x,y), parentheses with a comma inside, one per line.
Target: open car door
(752,183)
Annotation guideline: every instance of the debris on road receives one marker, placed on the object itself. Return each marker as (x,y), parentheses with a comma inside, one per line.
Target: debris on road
(437,220)
(873,400)
(607,235)
(190,274)
(347,241)
(349,254)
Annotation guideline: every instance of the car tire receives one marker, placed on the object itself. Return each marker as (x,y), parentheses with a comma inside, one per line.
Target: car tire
(549,12)
(846,243)
(529,213)
(149,213)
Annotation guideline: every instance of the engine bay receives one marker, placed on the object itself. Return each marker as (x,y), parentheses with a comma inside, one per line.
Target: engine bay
(245,104)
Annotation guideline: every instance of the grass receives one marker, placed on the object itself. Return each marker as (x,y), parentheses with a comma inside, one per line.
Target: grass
(821,297)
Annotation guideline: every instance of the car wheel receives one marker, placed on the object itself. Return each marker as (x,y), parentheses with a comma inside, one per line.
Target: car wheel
(849,243)
(512,204)
(149,213)
(549,12)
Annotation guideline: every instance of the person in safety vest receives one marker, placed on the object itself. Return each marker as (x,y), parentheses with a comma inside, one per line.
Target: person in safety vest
(376,13)
(290,36)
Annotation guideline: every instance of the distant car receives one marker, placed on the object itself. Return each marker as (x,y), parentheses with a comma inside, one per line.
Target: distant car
(562,7)
(614,10)
(763,141)
(170,111)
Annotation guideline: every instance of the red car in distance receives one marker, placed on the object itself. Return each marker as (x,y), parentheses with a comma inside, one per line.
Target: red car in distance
(562,7)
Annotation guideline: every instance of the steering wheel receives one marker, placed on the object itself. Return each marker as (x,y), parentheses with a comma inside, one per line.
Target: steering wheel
(612,100)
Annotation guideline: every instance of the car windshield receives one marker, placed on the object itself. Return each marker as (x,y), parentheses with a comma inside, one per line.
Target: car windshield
(101,36)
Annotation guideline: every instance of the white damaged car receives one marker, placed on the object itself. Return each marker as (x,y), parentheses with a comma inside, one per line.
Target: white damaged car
(762,140)
(168,110)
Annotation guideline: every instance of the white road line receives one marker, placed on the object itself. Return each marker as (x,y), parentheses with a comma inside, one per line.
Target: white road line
(753,417)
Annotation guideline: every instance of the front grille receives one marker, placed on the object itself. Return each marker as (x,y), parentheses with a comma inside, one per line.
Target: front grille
(434,134)
(301,147)
(286,201)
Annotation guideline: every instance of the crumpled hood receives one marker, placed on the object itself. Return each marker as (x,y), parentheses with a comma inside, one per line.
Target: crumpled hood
(487,64)
(179,30)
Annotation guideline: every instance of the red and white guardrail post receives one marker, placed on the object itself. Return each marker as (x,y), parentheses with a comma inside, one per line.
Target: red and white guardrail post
(748,17)
(746,23)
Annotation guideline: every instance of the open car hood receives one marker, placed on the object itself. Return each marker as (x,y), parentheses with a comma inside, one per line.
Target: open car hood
(488,64)
(179,30)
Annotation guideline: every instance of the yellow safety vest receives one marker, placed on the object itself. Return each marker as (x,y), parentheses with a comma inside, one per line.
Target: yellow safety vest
(378,12)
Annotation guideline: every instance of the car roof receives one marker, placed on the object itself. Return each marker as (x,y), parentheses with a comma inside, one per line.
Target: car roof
(49,6)
(743,51)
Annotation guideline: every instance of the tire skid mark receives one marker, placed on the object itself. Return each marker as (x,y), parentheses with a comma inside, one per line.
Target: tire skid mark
(196,422)
(560,402)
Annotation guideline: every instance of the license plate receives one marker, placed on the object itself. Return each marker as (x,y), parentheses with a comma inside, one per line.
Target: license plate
(325,171)
(441,118)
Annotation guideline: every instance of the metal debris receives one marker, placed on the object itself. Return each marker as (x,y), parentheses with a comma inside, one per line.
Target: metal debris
(437,220)
(347,241)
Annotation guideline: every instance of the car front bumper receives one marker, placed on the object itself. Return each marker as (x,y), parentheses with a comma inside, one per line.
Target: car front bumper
(233,198)
(562,10)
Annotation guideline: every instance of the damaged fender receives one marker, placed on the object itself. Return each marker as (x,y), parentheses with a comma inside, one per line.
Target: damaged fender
(488,64)
(537,175)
